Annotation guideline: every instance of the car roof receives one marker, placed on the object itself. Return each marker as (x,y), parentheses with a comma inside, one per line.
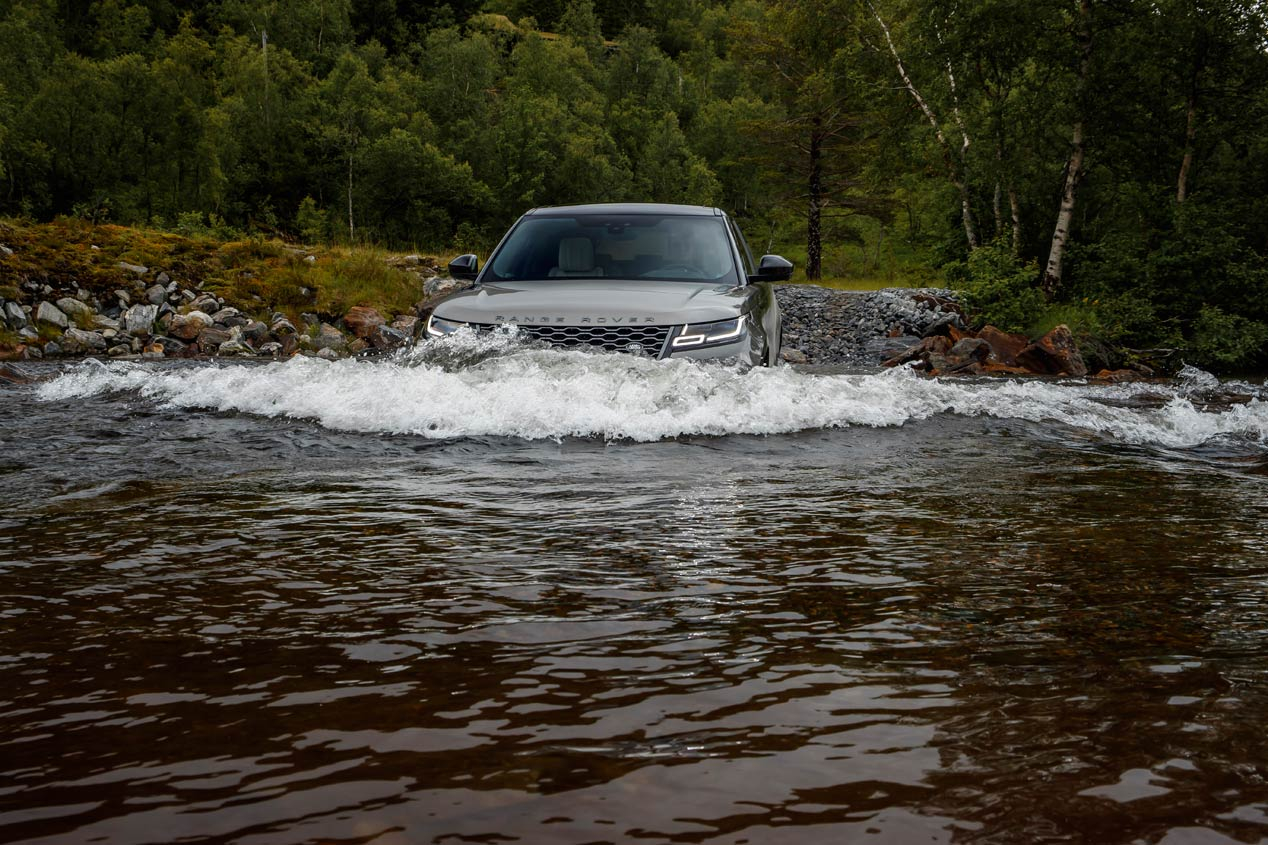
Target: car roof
(627,208)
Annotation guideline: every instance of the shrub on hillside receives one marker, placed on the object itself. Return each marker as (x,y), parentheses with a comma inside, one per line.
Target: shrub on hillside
(1225,341)
(998,289)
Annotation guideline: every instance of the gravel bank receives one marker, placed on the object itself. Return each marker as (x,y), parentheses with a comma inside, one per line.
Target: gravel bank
(826,326)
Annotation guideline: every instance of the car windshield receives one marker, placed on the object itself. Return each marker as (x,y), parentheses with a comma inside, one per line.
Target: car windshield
(630,246)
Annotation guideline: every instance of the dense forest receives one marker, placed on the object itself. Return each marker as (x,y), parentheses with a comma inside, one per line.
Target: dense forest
(1102,163)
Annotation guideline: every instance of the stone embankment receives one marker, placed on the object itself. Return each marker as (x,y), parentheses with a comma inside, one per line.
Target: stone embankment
(152,315)
(923,328)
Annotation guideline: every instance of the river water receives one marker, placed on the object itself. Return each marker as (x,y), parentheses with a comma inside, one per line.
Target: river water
(496,594)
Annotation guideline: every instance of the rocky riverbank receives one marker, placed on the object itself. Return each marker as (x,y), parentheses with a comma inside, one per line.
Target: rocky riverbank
(165,320)
(924,328)
(91,301)
(151,315)
(119,309)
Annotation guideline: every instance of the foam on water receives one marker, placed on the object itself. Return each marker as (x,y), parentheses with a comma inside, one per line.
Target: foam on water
(464,387)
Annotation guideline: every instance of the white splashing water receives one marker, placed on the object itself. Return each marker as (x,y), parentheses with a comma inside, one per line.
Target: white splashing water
(464,387)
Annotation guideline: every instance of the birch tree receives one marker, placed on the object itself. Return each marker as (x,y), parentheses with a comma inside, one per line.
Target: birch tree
(1052,274)
(955,160)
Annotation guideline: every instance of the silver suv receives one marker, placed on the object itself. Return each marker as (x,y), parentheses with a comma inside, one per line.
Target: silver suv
(665,281)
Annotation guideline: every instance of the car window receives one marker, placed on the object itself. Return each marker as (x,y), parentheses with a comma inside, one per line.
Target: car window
(634,246)
(746,254)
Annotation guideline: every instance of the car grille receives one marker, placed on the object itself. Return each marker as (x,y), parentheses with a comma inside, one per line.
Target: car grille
(650,340)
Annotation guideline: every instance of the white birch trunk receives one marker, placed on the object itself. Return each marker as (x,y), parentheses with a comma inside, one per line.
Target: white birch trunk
(966,206)
(1074,168)
(1190,132)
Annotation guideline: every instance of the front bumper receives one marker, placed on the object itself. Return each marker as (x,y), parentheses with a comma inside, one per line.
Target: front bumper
(650,341)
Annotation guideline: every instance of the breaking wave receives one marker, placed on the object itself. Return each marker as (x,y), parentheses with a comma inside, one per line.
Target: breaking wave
(495,386)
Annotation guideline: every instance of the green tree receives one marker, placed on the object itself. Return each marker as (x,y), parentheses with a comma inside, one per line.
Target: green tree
(803,52)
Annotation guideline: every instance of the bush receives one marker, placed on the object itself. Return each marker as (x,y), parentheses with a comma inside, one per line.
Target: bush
(998,289)
(311,222)
(1225,341)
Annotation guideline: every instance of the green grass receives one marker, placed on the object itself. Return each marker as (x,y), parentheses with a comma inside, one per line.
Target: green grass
(1082,321)
(865,257)
(869,283)
(256,275)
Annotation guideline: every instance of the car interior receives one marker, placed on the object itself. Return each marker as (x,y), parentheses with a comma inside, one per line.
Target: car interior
(632,247)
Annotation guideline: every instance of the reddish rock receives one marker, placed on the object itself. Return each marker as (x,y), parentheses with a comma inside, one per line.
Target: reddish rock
(363,321)
(993,369)
(935,345)
(188,326)
(1116,376)
(1054,354)
(958,334)
(1004,346)
(212,337)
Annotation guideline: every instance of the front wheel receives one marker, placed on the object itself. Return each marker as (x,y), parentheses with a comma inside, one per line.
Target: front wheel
(772,353)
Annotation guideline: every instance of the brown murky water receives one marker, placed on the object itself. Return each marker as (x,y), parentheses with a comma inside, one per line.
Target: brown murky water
(225,626)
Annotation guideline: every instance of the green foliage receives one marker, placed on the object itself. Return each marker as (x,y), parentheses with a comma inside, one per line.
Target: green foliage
(379,121)
(310,221)
(998,288)
(1228,341)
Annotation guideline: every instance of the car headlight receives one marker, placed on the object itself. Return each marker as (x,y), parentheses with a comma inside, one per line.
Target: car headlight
(439,326)
(697,335)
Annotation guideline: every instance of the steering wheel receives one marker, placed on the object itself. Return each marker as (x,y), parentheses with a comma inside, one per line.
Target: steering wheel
(685,270)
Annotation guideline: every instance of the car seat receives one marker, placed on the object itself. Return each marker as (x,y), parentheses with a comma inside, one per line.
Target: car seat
(576,258)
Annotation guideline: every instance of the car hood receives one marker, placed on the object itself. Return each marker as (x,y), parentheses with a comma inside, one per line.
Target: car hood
(594,301)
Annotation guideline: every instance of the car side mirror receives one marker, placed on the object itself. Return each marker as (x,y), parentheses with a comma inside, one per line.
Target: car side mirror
(772,268)
(464,267)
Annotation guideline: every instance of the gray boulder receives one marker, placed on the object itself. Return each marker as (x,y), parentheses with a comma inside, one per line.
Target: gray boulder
(235,347)
(50,314)
(329,337)
(281,326)
(139,319)
(205,303)
(133,268)
(14,315)
(77,341)
(171,345)
(74,309)
(156,294)
(255,332)
(386,337)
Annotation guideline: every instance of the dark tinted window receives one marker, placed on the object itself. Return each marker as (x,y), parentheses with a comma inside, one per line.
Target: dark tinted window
(745,254)
(635,246)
